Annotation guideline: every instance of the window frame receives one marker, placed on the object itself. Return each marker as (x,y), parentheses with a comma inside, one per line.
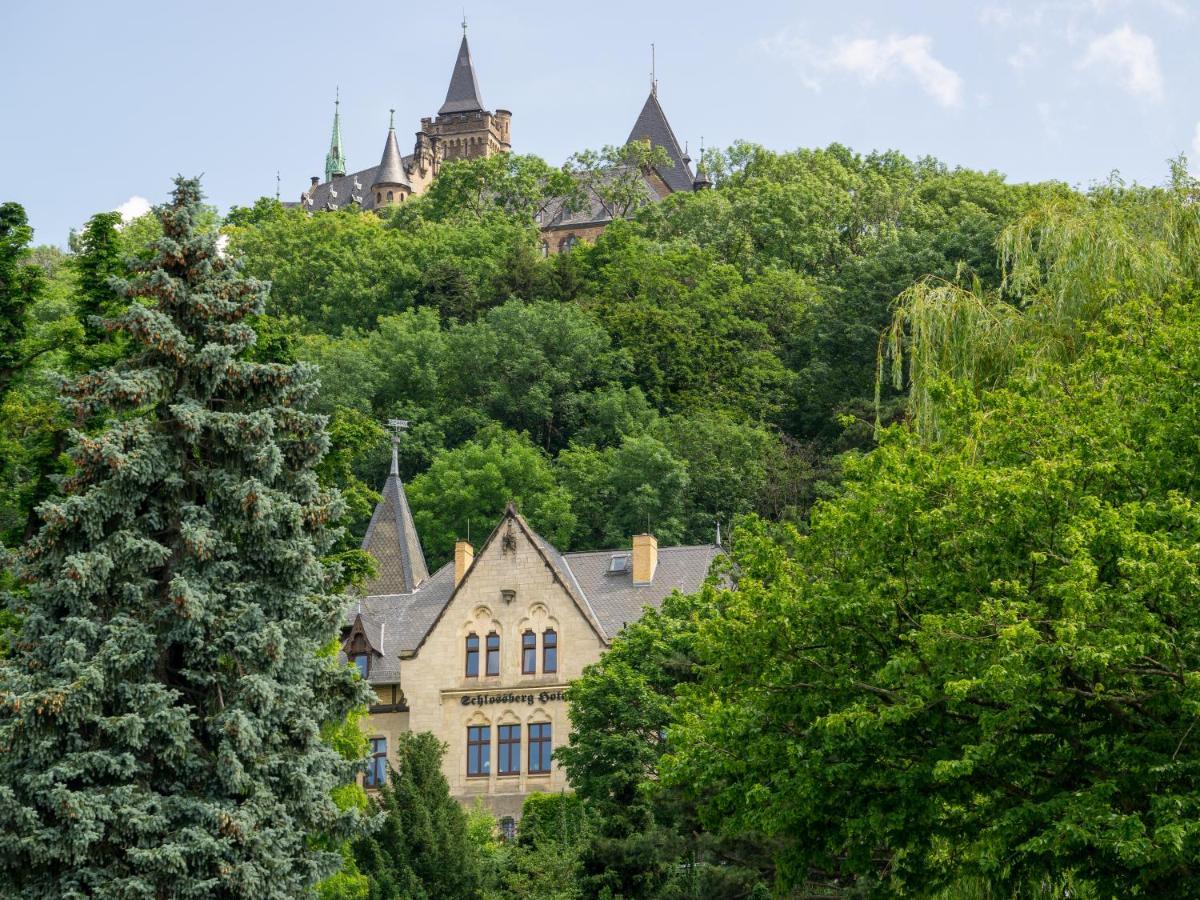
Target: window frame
(364,670)
(376,774)
(508,738)
(472,655)
(529,653)
(550,650)
(543,742)
(492,657)
(479,737)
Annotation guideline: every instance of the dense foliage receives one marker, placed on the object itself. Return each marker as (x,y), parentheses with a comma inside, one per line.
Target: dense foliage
(161,710)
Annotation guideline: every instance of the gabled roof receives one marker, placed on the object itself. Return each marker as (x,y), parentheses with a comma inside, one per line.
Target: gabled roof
(391,165)
(392,539)
(652,126)
(463,93)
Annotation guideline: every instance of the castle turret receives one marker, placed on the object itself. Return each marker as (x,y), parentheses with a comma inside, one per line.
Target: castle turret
(652,126)
(335,159)
(391,185)
(702,183)
(463,127)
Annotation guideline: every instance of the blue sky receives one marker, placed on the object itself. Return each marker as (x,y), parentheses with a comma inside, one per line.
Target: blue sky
(105,102)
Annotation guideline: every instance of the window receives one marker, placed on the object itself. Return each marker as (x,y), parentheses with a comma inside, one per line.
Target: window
(472,655)
(389,196)
(378,197)
(376,763)
(479,751)
(618,564)
(528,653)
(545,248)
(509,745)
(362,662)
(508,828)
(539,748)
(493,654)
(549,650)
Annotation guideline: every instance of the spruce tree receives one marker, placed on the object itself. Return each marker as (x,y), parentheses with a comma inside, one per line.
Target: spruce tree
(160,715)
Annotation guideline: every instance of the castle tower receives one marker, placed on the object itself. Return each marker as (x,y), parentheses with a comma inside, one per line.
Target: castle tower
(392,538)
(391,185)
(463,127)
(652,126)
(335,159)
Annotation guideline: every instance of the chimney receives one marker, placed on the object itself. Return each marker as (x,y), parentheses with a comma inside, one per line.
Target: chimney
(464,554)
(645,558)
(316,179)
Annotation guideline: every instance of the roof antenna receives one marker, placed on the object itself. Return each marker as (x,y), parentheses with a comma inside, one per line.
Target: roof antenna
(276,185)
(397,426)
(653,77)
(464,22)
(391,119)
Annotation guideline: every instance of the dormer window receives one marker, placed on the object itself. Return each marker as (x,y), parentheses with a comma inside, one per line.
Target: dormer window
(618,564)
(362,662)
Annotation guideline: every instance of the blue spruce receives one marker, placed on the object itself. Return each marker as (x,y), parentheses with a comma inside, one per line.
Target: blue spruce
(160,713)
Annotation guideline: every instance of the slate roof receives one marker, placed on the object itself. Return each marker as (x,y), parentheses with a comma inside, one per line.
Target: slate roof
(652,125)
(392,539)
(463,93)
(618,601)
(557,214)
(391,168)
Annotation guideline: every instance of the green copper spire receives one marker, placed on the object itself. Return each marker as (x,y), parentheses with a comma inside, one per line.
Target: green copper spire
(335,159)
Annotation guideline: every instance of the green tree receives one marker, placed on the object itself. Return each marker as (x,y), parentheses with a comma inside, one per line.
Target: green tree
(511,184)
(617,176)
(166,683)
(471,485)
(98,261)
(422,848)
(19,286)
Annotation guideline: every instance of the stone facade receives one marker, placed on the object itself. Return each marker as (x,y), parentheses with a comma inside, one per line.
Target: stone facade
(532,617)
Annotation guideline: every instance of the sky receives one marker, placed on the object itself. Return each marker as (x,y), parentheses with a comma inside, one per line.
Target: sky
(103,103)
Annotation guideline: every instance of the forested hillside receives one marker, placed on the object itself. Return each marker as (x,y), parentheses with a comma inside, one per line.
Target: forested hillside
(947,425)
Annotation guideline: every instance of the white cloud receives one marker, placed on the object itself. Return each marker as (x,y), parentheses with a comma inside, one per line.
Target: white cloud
(132,208)
(1024,56)
(872,60)
(1132,57)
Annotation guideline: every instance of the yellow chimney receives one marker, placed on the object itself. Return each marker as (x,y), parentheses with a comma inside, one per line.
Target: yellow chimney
(645,558)
(464,553)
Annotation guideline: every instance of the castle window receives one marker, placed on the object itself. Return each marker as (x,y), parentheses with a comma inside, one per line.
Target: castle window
(549,650)
(508,828)
(376,763)
(362,662)
(378,196)
(539,748)
(545,248)
(509,747)
(493,654)
(528,653)
(472,655)
(479,751)
(389,196)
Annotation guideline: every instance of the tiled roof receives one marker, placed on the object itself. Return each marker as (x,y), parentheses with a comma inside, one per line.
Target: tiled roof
(391,168)
(652,125)
(342,191)
(392,539)
(593,211)
(618,601)
(463,93)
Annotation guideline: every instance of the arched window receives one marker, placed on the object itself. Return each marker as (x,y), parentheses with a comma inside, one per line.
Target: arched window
(528,653)
(508,828)
(549,650)
(389,196)
(493,654)
(378,196)
(472,655)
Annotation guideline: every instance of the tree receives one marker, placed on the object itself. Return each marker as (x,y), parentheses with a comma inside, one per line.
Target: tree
(19,286)
(161,712)
(617,175)
(511,184)
(421,849)
(470,486)
(98,262)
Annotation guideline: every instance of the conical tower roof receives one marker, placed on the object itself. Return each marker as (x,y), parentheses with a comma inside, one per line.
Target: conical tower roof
(335,159)
(391,164)
(392,539)
(463,93)
(652,126)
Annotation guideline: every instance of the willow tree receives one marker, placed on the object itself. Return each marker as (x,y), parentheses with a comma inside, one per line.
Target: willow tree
(160,715)
(1064,265)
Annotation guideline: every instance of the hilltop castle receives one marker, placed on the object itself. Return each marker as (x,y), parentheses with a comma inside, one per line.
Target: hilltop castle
(465,129)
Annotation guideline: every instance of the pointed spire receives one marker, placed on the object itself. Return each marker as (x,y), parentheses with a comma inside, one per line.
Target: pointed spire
(335,159)
(391,164)
(463,93)
(703,182)
(652,126)
(392,535)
